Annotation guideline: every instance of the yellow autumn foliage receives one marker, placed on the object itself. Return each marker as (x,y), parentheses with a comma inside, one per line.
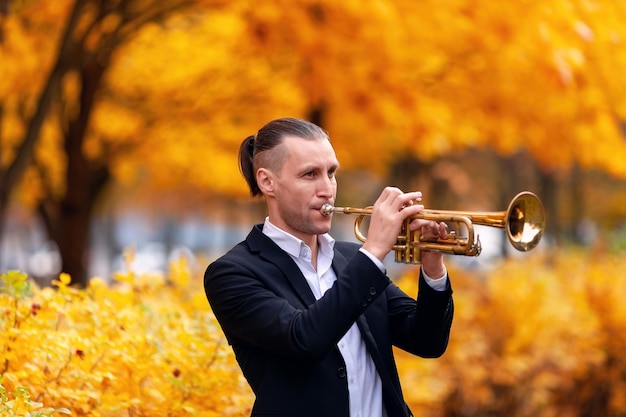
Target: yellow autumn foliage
(540,336)
(387,78)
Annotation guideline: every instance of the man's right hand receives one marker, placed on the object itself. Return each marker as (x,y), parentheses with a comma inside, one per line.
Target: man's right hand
(388,213)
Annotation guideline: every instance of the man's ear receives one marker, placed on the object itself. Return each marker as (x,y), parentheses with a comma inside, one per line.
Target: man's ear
(265,181)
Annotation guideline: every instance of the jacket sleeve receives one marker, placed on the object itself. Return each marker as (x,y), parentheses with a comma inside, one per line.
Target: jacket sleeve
(421,326)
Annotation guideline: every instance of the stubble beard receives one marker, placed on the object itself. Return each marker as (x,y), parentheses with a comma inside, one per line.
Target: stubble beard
(303,223)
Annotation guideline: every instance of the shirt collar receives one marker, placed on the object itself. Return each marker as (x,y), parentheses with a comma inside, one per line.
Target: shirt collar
(296,247)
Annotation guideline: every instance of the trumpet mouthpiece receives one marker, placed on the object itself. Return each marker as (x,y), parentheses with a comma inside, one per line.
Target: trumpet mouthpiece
(326,209)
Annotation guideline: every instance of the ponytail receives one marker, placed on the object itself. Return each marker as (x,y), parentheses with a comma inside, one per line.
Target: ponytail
(246,164)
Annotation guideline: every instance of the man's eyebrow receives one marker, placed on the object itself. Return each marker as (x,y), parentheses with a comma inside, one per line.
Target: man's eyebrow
(315,167)
(309,167)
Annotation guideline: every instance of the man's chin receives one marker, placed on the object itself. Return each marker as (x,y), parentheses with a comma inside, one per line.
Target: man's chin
(321,226)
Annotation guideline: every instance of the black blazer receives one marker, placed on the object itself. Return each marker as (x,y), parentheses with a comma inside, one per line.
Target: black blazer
(286,342)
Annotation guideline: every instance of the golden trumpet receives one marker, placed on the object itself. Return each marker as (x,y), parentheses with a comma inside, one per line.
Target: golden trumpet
(523,221)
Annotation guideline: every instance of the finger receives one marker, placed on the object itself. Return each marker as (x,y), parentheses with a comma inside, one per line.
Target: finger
(421,224)
(409,199)
(443,230)
(389,194)
(430,228)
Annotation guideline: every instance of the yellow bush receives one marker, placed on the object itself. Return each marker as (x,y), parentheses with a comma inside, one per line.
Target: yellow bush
(542,336)
(145,346)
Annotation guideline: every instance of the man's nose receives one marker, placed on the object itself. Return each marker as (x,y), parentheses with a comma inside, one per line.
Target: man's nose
(326,187)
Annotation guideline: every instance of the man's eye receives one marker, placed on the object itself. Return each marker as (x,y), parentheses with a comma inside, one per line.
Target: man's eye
(309,174)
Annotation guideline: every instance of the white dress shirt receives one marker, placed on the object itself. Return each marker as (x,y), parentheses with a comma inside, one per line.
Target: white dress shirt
(364,384)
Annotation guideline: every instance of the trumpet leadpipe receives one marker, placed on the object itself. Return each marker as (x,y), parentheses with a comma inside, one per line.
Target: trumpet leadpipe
(328,209)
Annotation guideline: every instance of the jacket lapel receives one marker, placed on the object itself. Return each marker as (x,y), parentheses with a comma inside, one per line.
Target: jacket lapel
(339,263)
(268,250)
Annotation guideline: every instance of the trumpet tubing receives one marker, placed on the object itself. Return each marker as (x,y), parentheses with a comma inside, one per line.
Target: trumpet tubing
(523,222)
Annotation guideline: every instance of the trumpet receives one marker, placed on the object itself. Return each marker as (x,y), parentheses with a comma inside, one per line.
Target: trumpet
(523,221)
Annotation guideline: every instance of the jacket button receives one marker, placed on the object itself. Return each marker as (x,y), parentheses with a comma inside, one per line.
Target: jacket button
(341,372)
(372,291)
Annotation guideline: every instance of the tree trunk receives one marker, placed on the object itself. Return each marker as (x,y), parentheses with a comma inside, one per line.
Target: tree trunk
(410,174)
(550,190)
(576,201)
(68,220)
(316,116)
(4,11)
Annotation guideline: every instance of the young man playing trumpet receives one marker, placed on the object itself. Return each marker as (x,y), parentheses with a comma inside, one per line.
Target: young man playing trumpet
(312,321)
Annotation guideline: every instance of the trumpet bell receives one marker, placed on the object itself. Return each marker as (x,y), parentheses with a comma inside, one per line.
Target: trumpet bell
(525,221)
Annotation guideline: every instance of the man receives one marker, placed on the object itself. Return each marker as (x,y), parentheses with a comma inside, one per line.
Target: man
(312,321)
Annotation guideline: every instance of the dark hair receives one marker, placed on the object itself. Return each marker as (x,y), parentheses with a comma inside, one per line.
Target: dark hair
(253,152)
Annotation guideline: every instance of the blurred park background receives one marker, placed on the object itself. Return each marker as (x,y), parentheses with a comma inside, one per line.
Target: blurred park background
(120,121)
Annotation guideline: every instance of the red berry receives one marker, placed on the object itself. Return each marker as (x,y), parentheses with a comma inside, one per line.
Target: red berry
(34,308)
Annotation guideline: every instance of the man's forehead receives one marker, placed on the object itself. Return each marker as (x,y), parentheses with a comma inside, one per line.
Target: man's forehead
(306,146)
